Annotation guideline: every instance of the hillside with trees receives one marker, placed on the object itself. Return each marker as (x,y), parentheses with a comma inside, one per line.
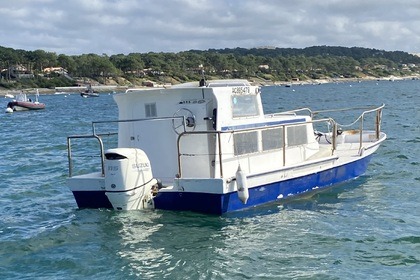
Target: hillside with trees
(23,69)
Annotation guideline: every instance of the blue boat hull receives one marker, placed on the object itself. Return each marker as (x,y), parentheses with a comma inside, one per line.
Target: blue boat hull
(222,203)
(218,204)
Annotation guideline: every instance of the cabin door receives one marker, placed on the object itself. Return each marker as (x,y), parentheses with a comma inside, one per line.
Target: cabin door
(198,150)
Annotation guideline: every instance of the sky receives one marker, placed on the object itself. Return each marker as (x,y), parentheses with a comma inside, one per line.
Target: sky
(75,27)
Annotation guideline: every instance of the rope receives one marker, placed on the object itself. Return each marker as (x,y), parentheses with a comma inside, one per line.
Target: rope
(351,124)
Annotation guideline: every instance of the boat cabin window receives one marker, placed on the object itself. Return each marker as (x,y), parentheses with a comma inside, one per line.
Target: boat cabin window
(297,135)
(150,109)
(272,139)
(245,142)
(244,105)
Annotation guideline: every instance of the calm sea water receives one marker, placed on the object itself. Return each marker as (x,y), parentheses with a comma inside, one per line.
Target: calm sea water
(368,228)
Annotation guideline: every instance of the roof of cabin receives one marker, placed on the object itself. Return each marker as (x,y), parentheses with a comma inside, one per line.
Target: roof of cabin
(215,83)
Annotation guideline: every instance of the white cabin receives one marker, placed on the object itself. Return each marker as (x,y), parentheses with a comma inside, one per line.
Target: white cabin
(220,106)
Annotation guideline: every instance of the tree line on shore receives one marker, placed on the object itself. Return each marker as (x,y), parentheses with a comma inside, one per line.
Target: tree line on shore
(271,64)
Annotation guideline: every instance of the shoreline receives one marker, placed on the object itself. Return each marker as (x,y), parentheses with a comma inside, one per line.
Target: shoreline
(75,89)
(341,80)
(262,82)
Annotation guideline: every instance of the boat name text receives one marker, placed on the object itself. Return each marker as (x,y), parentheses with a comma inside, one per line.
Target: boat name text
(240,90)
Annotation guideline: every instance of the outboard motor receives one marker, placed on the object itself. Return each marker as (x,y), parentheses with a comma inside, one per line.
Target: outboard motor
(128,179)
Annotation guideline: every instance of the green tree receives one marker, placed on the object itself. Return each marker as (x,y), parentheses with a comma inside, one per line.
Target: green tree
(41,59)
(67,62)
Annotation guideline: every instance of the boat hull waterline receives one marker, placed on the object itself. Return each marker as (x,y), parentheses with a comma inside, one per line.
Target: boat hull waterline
(218,204)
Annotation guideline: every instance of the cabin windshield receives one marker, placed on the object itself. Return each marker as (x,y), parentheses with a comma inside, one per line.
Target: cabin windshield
(244,106)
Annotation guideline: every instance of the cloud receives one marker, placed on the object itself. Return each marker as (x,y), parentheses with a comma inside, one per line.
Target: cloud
(126,26)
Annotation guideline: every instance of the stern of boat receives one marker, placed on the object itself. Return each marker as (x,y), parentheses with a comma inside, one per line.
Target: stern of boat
(89,190)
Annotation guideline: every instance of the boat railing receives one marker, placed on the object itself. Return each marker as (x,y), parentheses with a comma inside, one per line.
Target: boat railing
(96,123)
(70,155)
(332,124)
(313,114)
(365,109)
(333,132)
(291,112)
(219,134)
(360,120)
(99,136)
(378,121)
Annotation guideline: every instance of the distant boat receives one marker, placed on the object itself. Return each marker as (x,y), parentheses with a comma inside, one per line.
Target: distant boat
(89,92)
(23,103)
(8,95)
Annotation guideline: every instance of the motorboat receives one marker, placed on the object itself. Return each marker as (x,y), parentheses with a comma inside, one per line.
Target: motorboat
(209,147)
(23,103)
(89,92)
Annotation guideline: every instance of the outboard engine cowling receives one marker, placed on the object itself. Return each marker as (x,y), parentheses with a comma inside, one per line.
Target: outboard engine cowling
(128,179)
